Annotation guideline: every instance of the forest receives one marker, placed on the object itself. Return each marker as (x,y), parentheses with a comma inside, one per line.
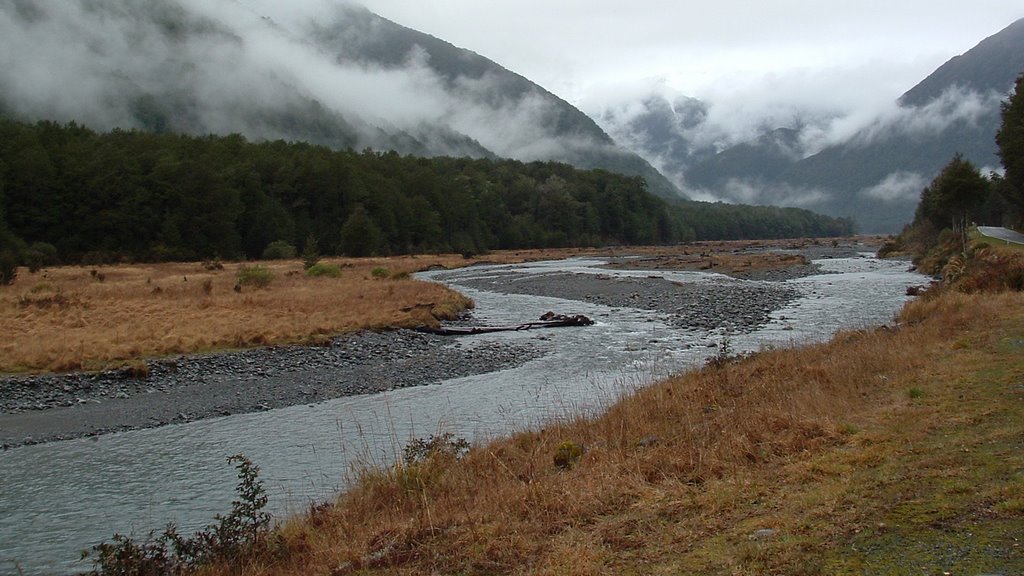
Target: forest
(69,194)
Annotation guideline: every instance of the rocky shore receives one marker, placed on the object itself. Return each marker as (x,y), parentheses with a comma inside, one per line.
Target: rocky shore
(56,407)
(734,305)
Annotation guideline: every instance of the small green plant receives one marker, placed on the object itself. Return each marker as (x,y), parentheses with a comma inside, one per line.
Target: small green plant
(915,393)
(568,454)
(8,268)
(310,253)
(724,356)
(256,276)
(279,250)
(323,269)
(40,254)
(228,540)
(379,272)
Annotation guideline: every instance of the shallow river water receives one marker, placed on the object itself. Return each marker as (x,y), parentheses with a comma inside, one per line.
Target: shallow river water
(59,498)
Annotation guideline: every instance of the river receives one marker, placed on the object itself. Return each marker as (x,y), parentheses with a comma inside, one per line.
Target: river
(59,498)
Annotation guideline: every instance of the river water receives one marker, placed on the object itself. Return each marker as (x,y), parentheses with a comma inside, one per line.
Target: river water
(59,498)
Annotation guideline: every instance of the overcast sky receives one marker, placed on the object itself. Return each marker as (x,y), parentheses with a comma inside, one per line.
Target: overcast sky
(589,51)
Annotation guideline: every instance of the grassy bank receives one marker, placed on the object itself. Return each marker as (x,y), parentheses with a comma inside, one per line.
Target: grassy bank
(89,318)
(889,451)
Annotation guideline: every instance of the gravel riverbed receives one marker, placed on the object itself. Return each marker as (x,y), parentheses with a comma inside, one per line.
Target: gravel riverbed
(37,409)
(733,305)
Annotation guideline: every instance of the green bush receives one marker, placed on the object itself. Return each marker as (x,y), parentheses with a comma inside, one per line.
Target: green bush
(40,254)
(8,268)
(279,250)
(255,276)
(380,272)
(322,269)
(568,454)
(310,253)
(229,540)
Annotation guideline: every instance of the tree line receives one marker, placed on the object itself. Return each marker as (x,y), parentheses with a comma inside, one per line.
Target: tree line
(70,194)
(961,195)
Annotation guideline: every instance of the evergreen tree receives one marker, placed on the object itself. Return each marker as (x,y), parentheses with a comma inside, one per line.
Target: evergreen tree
(1010,140)
(360,235)
(953,196)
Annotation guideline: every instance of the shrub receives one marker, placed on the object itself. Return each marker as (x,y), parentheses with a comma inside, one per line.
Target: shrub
(310,253)
(40,254)
(279,250)
(255,276)
(567,454)
(379,272)
(322,269)
(228,540)
(8,268)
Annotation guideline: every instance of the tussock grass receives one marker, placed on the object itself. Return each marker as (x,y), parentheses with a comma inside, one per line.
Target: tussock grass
(64,319)
(774,464)
(89,318)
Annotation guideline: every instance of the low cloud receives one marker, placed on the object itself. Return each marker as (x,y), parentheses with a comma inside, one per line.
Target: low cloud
(222,65)
(897,187)
(759,192)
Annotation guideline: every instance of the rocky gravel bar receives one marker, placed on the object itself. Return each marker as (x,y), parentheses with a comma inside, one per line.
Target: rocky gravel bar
(36,409)
(734,305)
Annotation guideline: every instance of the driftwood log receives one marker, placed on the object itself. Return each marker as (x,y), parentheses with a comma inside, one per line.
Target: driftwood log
(548,320)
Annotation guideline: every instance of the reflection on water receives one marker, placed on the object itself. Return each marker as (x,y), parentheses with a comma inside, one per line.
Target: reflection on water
(59,498)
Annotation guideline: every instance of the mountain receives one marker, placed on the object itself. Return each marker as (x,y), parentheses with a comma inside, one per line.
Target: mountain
(352,80)
(874,175)
(992,65)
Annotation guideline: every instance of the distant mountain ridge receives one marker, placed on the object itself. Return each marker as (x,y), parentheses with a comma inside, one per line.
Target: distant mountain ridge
(874,176)
(993,64)
(355,80)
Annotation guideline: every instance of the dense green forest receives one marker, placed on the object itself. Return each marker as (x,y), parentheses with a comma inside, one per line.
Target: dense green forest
(81,196)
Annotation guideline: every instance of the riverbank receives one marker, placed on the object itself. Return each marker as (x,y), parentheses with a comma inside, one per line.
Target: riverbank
(148,393)
(60,407)
(883,451)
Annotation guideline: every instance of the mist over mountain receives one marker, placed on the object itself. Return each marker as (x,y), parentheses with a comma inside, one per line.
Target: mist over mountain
(349,80)
(867,166)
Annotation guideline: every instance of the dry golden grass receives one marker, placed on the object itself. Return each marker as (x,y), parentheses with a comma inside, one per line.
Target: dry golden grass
(740,257)
(769,465)
(89,318)
(73,318)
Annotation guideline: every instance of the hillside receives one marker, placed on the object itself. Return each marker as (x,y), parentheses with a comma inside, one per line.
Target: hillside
(129,196)
(874,175)
(354,81)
